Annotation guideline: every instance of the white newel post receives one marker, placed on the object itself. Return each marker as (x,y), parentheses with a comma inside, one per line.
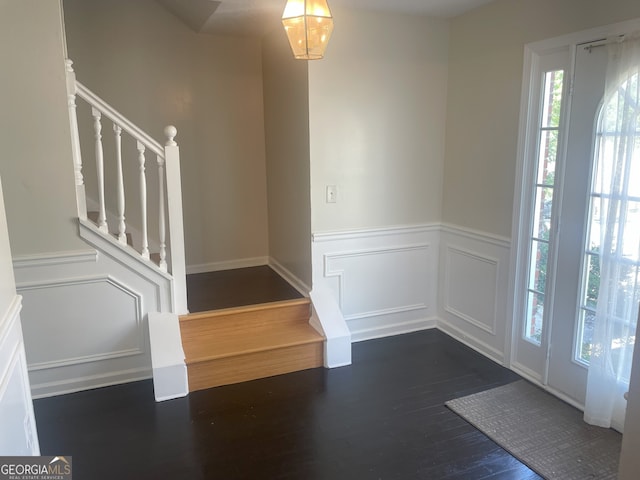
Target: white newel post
(143,201)
(122,226)
(176,229)
(97,128)
(81,199)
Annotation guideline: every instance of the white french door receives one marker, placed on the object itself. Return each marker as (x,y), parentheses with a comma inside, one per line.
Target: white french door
(551,314)
(567,372)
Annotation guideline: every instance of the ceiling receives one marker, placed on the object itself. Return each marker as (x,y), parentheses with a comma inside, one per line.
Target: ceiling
(257,17)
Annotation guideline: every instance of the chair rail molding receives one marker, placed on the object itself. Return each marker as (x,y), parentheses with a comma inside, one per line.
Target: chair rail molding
(56,258)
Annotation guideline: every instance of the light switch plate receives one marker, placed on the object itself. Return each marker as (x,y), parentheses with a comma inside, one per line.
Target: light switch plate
(332,194)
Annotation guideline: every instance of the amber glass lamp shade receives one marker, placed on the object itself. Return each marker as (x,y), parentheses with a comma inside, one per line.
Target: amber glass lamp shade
(308,24)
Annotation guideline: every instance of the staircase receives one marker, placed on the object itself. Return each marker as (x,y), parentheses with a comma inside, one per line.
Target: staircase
(131,154)
(208,349)
(245,343)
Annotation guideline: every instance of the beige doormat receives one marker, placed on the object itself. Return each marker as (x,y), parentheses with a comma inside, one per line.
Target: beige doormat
(543,432)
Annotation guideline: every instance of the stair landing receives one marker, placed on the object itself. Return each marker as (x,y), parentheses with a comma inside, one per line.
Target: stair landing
(246,324)
(236,288)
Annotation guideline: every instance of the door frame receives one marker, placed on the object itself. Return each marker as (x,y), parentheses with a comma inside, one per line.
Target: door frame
(533,52)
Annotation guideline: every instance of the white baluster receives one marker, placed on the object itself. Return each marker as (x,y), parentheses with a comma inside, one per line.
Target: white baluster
(97,127)
(122,226)
(75,141)
(143,201)
(162,221)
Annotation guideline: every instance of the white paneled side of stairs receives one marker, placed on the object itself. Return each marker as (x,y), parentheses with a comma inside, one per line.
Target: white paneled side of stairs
(86,312)
(85,318)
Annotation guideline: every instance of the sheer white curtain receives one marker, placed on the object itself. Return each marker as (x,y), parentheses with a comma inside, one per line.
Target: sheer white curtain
(616,195)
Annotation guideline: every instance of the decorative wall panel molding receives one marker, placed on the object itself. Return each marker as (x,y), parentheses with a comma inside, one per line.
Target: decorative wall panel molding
(363,286)
(471,287)
(85,322)
(16,409)
(474,289)
(384,280)
(124,329)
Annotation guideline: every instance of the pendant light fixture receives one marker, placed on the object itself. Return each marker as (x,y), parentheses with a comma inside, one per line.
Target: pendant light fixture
(308,24)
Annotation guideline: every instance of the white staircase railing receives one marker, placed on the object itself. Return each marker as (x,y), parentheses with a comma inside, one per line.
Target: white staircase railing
(170,258)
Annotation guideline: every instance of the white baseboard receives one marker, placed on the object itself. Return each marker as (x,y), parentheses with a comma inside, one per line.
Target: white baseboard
(527,373)
(50,389)
(227,265)
(477,345)
(532,377)
(293,280)
(393,329)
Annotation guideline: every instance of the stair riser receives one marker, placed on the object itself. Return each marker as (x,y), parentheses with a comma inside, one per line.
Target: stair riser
(242,321)
(241,368)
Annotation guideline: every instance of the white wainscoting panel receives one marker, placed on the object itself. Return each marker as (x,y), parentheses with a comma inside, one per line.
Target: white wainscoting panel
(18,435)
(384,280)
(121,334)
(465,272)
(473,289)
(85,319)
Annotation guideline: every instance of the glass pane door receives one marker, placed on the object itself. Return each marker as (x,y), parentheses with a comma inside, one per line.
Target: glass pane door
(531,339)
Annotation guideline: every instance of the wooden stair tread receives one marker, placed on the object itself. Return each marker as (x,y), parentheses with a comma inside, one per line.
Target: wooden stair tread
(231,321)
(238,343)
(222,312)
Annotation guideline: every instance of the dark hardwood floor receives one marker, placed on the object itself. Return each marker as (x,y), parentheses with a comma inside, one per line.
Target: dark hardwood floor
(236,288)
(381,418)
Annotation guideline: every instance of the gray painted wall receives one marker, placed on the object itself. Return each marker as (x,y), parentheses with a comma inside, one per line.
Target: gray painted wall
(483,106)
(286,107)
(377,110)
(35,161)
(156,71)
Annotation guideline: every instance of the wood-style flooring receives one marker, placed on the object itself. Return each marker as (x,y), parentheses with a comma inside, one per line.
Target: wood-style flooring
(381,418)
(236,288)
